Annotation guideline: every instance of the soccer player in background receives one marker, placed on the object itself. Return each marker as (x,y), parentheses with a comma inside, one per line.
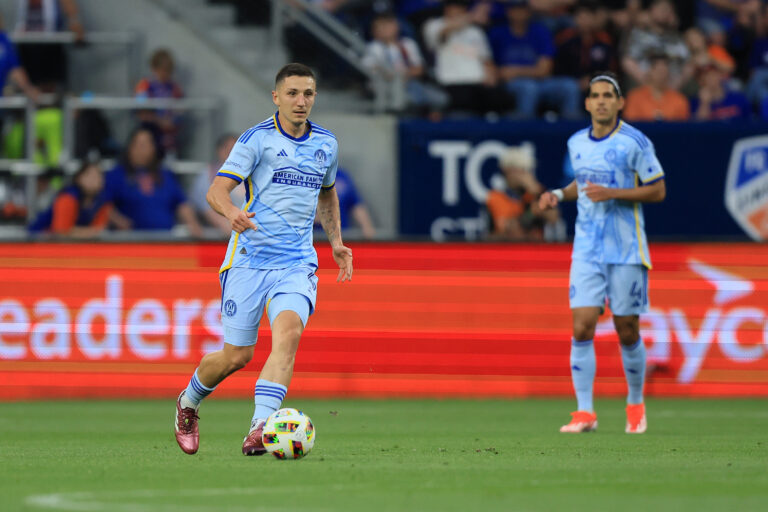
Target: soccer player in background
(288,166)
(616,170)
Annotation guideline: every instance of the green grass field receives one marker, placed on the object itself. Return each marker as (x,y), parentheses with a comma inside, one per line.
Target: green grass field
(387,455)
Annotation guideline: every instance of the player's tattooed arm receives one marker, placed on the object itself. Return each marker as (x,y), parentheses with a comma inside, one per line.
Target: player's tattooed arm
(329,215)
(330,219)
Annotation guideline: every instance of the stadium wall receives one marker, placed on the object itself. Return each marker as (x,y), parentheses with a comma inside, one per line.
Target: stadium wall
(469,320)
(447,169)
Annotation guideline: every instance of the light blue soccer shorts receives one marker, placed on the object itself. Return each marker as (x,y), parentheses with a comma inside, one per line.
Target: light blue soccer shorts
(247,292)
(625,286)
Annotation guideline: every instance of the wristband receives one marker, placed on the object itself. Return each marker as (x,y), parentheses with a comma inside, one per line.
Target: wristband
(558,193)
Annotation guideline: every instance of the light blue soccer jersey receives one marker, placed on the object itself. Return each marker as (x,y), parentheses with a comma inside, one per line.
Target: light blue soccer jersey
(612,231)
(282,176)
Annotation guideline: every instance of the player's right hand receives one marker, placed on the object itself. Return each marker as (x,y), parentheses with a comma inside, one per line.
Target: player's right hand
(242,221)
(548,200)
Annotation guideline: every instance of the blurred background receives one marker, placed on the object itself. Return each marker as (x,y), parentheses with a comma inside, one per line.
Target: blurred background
(452,117)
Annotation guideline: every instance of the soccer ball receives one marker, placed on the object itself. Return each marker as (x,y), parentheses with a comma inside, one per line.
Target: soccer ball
(288,434)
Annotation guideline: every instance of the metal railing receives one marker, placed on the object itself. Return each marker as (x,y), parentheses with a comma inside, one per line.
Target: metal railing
(328,30)
(130,40)
(30,170)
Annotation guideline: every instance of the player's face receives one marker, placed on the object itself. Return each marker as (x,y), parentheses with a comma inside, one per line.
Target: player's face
(603,103)
(294,98)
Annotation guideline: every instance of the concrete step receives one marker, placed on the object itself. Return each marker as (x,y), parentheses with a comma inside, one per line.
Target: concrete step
(207,16)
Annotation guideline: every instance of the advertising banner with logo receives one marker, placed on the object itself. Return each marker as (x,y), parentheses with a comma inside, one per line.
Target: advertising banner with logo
(125,320)
(448,168)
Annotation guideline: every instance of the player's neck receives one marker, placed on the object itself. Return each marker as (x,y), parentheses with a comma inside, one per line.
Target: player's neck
(294,130)
(601,129)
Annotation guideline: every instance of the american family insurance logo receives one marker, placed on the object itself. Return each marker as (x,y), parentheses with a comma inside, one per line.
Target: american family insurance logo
(746,186)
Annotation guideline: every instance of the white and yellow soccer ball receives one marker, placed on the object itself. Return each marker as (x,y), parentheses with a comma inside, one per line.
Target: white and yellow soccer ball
(288,434)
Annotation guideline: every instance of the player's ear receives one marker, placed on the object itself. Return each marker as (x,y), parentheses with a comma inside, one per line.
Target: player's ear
(274,98)
(621,102)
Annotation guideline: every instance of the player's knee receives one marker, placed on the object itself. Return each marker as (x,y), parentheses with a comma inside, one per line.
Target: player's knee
(628,336)
(239,359)
(628,331)
(583,331)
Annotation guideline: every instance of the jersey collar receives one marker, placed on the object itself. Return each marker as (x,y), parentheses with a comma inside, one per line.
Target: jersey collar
(300,139)
(609,134)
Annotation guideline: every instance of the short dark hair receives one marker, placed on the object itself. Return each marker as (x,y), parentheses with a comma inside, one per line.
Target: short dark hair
(161,56)
(608,77)
(293,69)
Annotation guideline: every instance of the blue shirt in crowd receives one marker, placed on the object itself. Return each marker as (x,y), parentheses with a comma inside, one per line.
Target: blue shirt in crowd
(512,50)
(8,59)
(148,203)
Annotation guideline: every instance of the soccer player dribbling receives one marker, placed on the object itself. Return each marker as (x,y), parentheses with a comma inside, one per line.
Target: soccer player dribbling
(616,170)
(288,167)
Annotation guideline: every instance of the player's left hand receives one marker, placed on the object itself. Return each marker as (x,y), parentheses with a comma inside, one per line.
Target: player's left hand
(598,193)
(343,257)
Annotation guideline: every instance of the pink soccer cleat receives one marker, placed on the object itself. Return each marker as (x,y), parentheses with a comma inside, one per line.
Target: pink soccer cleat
(581,421)
(252,443)
(636,422)
(185,427)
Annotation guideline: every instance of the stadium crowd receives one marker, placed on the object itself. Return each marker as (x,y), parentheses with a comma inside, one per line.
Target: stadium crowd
(522,59)
(696,59)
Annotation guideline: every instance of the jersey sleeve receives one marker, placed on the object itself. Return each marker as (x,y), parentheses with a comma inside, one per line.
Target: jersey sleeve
(243,158)
(330,175)
(645,163)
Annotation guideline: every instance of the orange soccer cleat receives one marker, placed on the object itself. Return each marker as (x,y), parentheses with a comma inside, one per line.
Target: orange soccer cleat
(581,421)
(636,422)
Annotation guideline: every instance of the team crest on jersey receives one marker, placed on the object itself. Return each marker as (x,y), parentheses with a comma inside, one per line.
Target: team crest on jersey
(746,186)
(230,308)
(611,156)
(320,156)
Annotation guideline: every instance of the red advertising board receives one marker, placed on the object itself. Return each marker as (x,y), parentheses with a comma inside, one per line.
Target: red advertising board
(468,320)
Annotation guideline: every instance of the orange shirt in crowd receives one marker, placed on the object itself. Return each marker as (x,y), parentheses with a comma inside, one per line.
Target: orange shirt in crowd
(67,213)
(502,207)
(642,105)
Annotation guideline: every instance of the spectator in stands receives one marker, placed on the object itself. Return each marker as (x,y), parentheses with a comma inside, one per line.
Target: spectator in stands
(757,87)
(553,13)
(514,211)
(399,67)
(80,210)
(523,51)
(716,14)
(659,36)
(351,206)
(11,69)
(715,100)
(161,85)
(463,64)
(47,63)
(585,48)
(203,181)
(741,37)
(145,194)
(657,100)
(703,53)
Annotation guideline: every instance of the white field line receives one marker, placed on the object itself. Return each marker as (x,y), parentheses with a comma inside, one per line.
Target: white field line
(139,500)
